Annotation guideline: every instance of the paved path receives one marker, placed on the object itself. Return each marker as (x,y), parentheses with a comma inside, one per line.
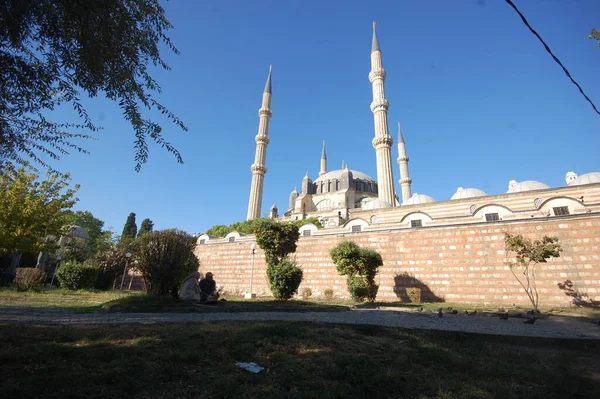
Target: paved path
(553,327)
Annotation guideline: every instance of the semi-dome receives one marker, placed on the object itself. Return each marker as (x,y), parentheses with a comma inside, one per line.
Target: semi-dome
(374,203)
(337,174)
(527,185)
(418,199)
(468,193)
(588,178)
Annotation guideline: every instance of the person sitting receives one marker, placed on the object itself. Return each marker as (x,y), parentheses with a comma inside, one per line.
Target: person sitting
(189,290)
(208,288)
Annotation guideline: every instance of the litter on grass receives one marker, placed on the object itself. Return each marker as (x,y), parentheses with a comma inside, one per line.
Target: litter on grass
(250,366)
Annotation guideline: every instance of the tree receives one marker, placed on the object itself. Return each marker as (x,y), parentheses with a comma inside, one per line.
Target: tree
(146,227)
(31,210)
(99,238)
(165,258)
(595,34)
(523,254)
(55,51)
(360,265)
(130,228)
(278,240)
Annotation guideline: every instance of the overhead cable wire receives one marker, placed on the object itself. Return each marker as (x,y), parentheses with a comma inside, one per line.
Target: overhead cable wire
(552,54)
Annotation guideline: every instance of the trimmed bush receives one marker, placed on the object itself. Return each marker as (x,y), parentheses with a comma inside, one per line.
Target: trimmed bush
(306,293)
(77,276)
(28,278)
(328,294)
(165,258)
(414,294)
(360,266)
(285,278)
(110,264)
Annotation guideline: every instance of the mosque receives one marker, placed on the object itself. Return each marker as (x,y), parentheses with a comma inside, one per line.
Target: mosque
(448,250)
(334,196)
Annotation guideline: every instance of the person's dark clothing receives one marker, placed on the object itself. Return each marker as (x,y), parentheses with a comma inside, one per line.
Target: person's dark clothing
(208,286)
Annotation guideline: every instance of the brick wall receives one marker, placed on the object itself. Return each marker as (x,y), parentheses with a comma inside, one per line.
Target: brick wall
(462,263)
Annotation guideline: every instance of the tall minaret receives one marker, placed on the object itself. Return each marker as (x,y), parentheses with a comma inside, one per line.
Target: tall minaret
(258,167)
(323,161)
(405,179)
(382,141)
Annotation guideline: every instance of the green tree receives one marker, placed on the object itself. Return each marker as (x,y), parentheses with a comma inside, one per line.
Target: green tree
(31,210)
(219,230)
(146,227)
(100,240)
(56,51)
(165,258)
(278,240)
(360,265)
(130,228)
(522,256)
(595,34)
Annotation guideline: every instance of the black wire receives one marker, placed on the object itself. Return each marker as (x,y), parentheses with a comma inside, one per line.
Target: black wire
(553,56)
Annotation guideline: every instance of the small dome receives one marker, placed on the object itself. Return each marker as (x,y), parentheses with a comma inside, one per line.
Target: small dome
(588,178)
(274,207)
(79,232)
(295,191)
(527,185)
(468,193)
(337,175)
(374,203)
(418,199)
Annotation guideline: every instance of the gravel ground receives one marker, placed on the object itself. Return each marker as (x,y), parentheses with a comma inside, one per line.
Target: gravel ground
(550,327)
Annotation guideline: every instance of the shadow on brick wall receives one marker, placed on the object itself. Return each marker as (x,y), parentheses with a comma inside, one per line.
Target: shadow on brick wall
(578,298)
(412,290)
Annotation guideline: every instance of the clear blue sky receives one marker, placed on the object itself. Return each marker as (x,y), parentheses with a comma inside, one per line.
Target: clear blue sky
(479,100)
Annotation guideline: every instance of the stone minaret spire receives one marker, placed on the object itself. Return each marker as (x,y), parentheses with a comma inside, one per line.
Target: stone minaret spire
(382,141)
(405,179)
(323,161)
(258,167)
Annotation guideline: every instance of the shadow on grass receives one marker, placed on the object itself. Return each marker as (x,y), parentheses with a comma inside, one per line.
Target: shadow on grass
(304,360)
(163,304)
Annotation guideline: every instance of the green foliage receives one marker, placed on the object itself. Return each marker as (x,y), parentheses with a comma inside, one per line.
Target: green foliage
(31,210)
(77,276)
(110,263)
(328,294)
(165,258)
(219,230)
(130,228)
(595,34)
(527,253)
(360,265)
(100,240)
(28,278)
(146,227)
(53,52)
(312,219)
(284,278)
(276,239)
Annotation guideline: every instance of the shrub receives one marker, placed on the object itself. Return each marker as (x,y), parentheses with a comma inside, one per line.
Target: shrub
(77,276)
(284,278)
(414,294)
(278,240)
(328,294)
(165,258)
(110,264)
(28,278)
(360,266)
(306,293)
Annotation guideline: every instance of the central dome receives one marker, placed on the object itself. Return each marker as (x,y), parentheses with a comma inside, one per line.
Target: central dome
(337,174)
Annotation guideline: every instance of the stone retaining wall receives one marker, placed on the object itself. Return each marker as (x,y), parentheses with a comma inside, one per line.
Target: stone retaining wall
(461,263)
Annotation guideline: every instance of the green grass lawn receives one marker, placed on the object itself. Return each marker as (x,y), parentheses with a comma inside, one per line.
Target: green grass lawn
(301,360)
